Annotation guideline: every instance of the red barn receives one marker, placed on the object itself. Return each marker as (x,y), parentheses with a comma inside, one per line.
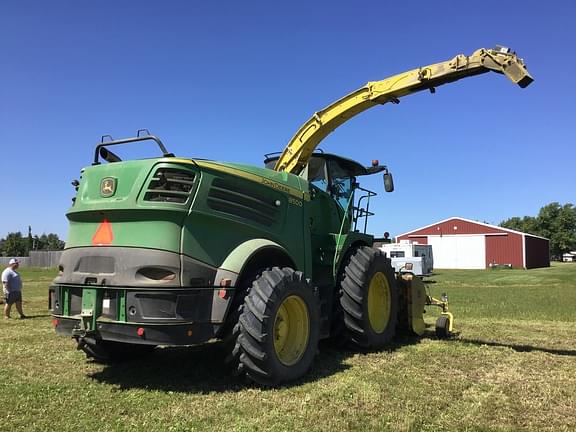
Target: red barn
(465,244)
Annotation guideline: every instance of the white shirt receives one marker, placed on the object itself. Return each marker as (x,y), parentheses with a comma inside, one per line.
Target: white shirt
(11,281)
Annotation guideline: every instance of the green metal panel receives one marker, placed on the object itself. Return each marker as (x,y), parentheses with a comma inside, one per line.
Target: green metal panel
(230,205)
(134,221)
(325,222)
(122,305)
(66,301)
(91,305)
(229,211)
(132,229)
(282,178)
(130,178)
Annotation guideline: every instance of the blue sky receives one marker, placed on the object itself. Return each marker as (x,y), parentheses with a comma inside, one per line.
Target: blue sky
(229,80)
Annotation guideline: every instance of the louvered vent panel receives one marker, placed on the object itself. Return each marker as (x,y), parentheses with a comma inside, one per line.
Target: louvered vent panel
(228,197)
(170,185)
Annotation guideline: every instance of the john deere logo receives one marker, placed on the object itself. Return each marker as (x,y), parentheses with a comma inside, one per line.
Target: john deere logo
(107,187)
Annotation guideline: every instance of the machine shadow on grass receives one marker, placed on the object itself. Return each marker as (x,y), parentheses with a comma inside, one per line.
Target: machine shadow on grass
(519,347)
(201,369)
(37,315)
(190,369)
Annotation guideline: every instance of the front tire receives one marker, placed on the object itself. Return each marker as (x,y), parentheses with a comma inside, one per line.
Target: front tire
(369,299)
(443,327)
(279,327)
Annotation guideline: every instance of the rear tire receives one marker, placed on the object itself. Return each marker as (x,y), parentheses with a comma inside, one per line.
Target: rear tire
(279,327)
(369,299)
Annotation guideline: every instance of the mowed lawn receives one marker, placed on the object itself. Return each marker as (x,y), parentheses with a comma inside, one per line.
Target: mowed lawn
(512,367)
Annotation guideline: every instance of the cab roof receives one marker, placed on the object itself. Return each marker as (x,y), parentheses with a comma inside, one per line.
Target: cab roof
(355,168)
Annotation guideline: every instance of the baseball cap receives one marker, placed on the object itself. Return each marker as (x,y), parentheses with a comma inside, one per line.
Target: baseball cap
(13,261)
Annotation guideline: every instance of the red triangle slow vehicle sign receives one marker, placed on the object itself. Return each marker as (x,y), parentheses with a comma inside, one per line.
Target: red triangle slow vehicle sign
(103,235)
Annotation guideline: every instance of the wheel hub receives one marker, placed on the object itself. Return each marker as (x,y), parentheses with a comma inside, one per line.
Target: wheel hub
(291,330)
(379,302)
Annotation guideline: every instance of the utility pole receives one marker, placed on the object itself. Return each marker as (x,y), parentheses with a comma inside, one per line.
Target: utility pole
(30,241)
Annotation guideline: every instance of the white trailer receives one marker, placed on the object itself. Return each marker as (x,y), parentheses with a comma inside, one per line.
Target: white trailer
(406,252)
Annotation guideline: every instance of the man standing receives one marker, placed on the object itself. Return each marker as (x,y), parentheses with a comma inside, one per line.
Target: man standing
(12,285)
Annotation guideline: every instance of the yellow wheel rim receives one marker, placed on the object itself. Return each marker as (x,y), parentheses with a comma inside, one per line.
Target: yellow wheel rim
(378,302)
(291,330)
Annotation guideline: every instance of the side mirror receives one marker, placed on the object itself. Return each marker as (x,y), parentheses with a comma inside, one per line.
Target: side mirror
(388,182)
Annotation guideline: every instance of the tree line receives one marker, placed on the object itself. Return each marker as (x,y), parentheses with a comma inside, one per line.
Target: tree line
(554,221)
(16,244)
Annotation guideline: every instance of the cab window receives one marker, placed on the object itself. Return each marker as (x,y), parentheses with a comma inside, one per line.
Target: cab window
(317,173)
(340,183)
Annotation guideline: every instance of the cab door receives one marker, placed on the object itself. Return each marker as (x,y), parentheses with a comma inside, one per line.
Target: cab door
(330,194)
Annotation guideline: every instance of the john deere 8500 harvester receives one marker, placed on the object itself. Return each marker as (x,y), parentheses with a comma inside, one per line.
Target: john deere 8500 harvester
(179,251)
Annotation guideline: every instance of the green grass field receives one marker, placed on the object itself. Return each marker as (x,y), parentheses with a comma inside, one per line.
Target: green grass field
(512,367)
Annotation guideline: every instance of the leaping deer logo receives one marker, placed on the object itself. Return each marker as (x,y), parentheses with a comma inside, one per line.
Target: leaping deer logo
(108,187)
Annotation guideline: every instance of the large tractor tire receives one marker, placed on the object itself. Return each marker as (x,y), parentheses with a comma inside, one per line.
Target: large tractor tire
(230,346)
(338,334)
(279,327)
(369,299)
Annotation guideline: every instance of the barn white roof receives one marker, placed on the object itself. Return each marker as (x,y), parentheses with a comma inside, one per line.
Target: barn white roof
(474,222)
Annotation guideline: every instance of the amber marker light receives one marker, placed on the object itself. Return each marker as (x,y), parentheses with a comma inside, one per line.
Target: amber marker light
(222,293)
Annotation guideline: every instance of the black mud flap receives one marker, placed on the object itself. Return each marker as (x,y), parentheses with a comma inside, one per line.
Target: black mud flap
(105,351)
(92,349)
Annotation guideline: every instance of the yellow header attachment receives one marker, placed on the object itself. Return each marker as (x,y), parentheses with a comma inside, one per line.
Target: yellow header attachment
(502,60)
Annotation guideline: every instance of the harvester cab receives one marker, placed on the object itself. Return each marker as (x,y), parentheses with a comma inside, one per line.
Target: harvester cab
(337,177)
(266,261)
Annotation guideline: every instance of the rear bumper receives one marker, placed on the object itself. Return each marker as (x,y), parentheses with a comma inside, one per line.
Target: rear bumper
(187,333)
(132,266)
(183,316)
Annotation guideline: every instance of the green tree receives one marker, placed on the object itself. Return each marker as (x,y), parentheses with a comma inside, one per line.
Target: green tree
(558,223)
(14,245)
(554,221)
(53,242)
(48,242)
(527,224)
(17,245)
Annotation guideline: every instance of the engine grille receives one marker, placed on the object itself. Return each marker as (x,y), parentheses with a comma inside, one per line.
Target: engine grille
(170,185)
(240,201)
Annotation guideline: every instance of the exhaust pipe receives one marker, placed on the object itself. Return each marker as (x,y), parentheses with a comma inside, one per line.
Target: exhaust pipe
(108,156)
